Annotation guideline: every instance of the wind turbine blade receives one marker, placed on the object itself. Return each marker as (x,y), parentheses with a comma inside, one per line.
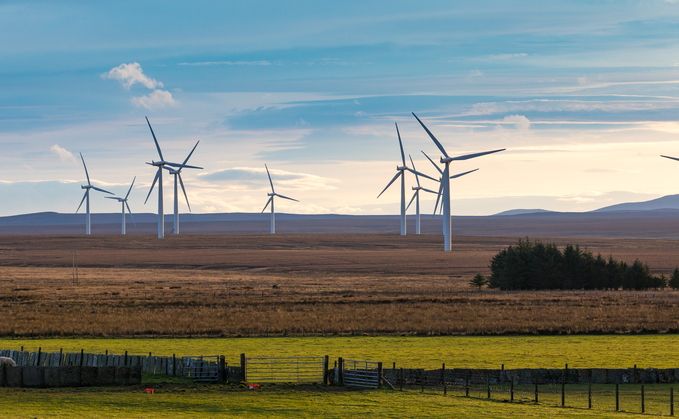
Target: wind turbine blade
(420,173)
(462,174)
(267,173)
(130,190)
(85,166)
(160,153)
(192,150)
(428,190)
(411,200)
(471,156)
(392,181)
(267,203)
(181,166)
(443,150)
(130,211)
(154,184)
(101,190)
(400,144)
(81,202)
(285,197)
(417,178)
(432,162)
(438,198)
(111,197)
(184,190)
(668,157)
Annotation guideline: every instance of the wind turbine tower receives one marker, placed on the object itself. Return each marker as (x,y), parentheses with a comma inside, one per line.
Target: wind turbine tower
(87,196)
(159,178)
(401,172)
(270,201)
(178,175)
(446,181)
(124,204)
(416,196)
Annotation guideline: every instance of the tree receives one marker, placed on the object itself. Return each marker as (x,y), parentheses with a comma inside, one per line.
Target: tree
(478,281)
(674,279)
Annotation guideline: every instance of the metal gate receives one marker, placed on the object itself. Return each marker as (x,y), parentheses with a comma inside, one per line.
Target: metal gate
(286,370)
(201,368)
(361,373)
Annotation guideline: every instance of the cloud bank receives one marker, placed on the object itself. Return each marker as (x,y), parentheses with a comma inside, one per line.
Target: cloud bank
(131,74)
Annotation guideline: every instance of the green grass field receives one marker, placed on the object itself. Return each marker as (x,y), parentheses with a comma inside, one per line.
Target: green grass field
(208,401)
(617,351)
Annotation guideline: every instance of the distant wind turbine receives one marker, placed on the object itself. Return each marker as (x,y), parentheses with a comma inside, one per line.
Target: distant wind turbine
(124,204)
(438,197)
(159,178)
(446,181)
(270,201)
(416,196)
(87,196)
(401,172)
(177,175)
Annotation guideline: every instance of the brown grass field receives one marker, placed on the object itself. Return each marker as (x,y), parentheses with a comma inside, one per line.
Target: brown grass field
(230,285)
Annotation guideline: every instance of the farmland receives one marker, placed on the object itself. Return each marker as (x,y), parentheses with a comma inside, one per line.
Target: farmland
(298,285)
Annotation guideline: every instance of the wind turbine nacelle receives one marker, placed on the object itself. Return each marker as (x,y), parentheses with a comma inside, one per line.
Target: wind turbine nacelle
(270,194)
(446,160)
(402,168)
(84,187)
(417,188)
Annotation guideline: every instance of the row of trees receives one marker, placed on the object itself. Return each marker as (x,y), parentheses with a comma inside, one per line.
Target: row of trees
(535,266)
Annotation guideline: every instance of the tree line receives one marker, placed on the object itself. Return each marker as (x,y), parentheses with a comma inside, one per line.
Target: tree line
(537,266)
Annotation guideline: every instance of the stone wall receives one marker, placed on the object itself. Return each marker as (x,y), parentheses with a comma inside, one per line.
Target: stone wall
(67,376)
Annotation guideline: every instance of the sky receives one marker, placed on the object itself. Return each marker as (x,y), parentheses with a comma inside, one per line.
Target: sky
(582,94)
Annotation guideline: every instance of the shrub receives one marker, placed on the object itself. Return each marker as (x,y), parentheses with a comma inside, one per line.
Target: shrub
(478,281)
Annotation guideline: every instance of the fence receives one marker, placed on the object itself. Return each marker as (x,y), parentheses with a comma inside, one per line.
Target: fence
(357,373)
(285,369)
(201,368)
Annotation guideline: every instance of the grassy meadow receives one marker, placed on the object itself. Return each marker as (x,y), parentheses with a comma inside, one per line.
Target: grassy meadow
(578,351)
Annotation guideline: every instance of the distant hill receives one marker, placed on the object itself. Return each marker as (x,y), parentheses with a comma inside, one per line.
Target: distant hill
(520,212)
(662,203)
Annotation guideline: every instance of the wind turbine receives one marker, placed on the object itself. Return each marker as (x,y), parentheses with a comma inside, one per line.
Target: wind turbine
(416,195)
(87,196)
(270,201)
(441,183)
(177,175)
(159,178)
(446,181)
(401,172)
(124,204)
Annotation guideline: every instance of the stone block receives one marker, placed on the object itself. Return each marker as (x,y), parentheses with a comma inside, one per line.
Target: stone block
(122,376)
(615,375)
(666,375)
(584,375)
(599,376)
(34,376)
(106,376)
(52,377)
(69,376)
(135,376)
(15,376)
(88,376)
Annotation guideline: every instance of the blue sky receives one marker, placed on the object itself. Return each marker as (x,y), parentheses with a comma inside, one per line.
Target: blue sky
(582,94)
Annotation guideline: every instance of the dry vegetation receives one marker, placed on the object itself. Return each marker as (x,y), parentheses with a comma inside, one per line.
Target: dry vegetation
(229,285)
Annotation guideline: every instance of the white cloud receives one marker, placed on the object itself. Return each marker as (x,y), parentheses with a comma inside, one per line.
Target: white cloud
(62,153)
(156,99)
(129,74)
(569,105)
(500,57)
(521,122)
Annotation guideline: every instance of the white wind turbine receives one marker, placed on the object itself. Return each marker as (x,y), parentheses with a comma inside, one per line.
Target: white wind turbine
(416,196)
(124,204)
(401,172)
(270,201)
(159,178)
(446,181)
(177,175)
(87,196)
(441,184)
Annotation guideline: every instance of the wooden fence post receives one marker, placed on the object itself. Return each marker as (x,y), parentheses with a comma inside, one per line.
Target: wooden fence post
(643,408)
(401,379)
(222,368)
(536,390)
(563,390)
(511,390)
(379,375)
(488,383)
(243,366)
(466,385)
(340,371)
(423,378)
(671,401)
(617,398)
(39,353)
(443,378)
(326,362)
(125,362)
(589,393)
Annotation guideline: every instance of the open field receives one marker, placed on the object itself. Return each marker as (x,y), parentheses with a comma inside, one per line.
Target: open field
(607,351)
(207,401)
(240,285)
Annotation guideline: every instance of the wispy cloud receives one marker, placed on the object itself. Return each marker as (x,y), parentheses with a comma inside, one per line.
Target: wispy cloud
(129,74)
(62,153)
(250,176)
(206,63)
(521,122)
(156,99)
